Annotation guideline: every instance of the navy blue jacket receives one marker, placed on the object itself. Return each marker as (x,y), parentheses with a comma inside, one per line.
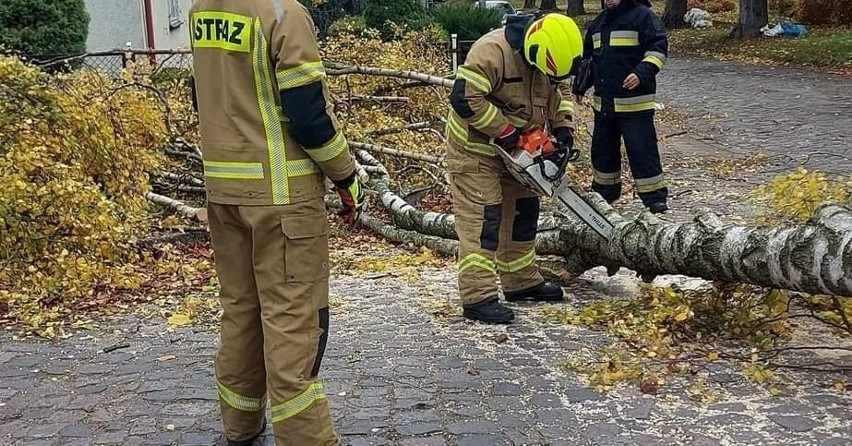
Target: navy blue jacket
(627,39)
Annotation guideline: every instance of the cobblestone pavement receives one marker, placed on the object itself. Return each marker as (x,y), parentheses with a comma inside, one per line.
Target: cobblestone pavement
(801,114)
(397,376)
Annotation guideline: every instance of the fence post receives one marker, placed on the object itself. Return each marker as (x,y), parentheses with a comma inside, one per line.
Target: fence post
(454,46)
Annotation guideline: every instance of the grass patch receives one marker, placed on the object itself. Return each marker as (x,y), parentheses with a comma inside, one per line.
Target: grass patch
(821,48)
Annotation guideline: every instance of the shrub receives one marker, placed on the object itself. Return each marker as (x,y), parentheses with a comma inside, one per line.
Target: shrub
(467,20)
(325,12)
(36,27)
(784,7)
(75,152)
(351,25)
(384,14)
(823,12)
(695,4)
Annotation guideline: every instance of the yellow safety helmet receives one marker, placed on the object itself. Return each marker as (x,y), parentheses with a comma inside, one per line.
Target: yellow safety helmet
(554,45)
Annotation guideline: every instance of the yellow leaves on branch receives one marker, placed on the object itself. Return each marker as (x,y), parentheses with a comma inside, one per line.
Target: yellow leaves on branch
(75,150)
(798,194)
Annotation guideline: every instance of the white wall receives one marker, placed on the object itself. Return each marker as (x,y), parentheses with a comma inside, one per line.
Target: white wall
(113,23)
(164,37)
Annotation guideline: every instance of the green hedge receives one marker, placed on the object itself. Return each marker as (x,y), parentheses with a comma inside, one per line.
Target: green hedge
(466,19)
(36,27)
(383,14)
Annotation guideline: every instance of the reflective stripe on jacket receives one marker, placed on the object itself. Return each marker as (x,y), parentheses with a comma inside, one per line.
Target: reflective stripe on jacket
(268,131)
(495,86)
(620,41)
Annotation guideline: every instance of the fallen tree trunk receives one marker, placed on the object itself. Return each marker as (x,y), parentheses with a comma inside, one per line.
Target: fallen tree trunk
(815,257)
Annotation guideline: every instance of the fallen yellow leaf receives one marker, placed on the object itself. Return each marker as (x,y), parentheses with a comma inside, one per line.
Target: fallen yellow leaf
(179,319)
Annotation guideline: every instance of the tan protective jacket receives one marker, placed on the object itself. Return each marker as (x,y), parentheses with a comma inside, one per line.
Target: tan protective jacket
(268,131)
(495,87)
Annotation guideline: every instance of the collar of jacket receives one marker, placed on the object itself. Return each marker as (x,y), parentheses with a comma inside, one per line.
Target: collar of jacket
(516,27)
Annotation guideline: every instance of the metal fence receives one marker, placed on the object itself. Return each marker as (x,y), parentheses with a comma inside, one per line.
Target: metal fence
(112,62)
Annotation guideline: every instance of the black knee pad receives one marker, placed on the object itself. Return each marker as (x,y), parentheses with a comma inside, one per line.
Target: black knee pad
(525,225)
(490,237)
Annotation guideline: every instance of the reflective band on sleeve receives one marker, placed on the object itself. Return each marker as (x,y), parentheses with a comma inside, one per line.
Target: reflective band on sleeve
(596,103)
(517,264)
(656,58)
(233,170)
(650,184)
(596,40)
(299,168)
(607,179)
(637,103)
(298,403)
(240,402)
(565,106)
(331,149)
(271,118)
(624,38)
(476,261)
(487,118)
(303,74)
(517,121)
(477,80)
(456,130)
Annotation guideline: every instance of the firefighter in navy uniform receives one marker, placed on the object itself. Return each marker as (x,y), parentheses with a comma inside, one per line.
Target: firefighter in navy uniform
(512,82)
(269,138)
(627,45)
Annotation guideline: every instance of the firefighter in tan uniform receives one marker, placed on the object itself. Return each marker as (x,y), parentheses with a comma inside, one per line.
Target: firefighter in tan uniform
(269,138)
(512,81)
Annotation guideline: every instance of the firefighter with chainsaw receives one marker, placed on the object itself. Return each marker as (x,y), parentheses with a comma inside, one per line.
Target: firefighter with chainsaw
(510,91)
(627,46)
(269,138)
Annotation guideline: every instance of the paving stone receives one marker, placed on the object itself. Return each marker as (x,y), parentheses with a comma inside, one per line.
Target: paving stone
(418,428)
(651,440)
(429,441)
(407,417)
(76,431)
(546,400)
(704,440)
(795,423)
(480,440)
(507,389)
(109,438)
(580,395)
(843,413)
(641,409)
(729,407)
(198,439)
(729,419)
(45,430)
(472,427)
(556,417)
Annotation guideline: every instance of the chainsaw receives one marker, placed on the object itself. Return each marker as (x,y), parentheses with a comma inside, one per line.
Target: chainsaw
(539,166)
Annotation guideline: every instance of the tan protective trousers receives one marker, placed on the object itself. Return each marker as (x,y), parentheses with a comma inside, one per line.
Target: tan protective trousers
(496,221)
(272,263)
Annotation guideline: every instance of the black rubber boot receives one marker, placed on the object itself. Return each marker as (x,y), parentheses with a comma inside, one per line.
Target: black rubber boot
(253,441)
(489,312)
(658,207)
(545,292)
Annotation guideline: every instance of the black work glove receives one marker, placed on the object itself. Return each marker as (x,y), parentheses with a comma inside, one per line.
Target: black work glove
(565,142)
(509,139)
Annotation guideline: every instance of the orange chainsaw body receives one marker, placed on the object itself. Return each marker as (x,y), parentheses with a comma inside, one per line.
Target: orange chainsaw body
(536,141)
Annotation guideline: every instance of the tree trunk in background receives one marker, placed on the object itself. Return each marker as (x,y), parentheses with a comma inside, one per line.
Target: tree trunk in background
(548,5)
(529,4)
(575,8)
(754,14)
(673,14)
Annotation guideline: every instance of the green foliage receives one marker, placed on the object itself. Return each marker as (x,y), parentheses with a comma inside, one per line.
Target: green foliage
(822,47)
(325,12)
(384,14)
(350,25)
(466,19)
(35,27)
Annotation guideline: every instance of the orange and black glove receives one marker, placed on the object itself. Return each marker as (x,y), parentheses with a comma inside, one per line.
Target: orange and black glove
(352,197)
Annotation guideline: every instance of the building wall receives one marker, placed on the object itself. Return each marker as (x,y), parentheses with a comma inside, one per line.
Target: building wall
(164,37)
(114,23)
